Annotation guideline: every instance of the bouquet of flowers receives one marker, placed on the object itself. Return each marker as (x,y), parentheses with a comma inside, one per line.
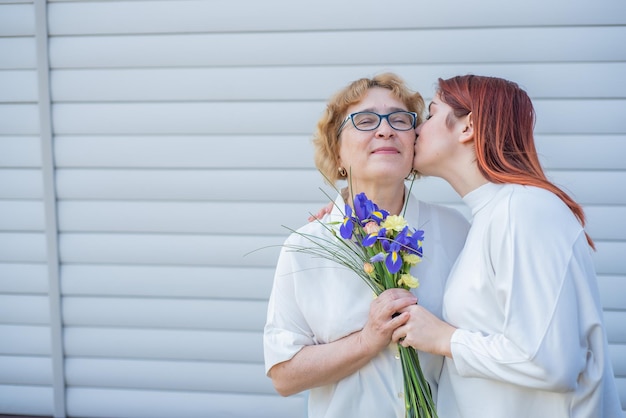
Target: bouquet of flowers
(380,248)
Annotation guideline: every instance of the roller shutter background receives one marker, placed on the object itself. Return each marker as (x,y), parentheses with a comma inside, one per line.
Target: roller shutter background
(147,147)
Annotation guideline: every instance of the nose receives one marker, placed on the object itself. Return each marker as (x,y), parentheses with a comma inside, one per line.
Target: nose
(385,130)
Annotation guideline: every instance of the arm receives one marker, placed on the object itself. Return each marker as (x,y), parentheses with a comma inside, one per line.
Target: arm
(322,364)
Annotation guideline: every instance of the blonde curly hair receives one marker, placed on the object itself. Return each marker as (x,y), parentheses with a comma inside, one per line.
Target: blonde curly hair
(326,138)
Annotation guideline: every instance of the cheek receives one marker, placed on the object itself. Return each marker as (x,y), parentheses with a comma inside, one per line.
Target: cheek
(347,152)
(426,151)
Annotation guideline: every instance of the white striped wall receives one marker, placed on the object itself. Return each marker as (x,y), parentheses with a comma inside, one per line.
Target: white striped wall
(181,142)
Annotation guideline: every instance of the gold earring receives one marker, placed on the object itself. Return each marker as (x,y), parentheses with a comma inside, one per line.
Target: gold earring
(342,172)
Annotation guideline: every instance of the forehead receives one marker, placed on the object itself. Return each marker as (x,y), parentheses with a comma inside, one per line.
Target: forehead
(378,99)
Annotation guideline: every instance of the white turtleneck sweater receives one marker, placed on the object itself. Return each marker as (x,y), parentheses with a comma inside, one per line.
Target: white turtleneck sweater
(523,294)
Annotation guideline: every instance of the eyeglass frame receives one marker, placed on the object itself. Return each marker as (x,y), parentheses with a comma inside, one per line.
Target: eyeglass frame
(350,117)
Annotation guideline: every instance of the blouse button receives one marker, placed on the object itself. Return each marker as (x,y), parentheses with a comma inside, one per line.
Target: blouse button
(400,395)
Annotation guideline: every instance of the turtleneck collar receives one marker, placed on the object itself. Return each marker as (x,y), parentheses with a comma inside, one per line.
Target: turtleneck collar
(481,196)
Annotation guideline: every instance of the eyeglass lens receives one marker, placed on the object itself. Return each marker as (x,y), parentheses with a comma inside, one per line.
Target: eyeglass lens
(367,121)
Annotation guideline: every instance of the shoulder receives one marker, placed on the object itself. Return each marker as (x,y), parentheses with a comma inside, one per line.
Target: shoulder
(535,204)
(533,211)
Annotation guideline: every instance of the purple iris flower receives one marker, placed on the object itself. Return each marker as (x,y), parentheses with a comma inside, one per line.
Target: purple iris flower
(370,239)
(393,261)
(347,226)
(366,210)
(378,257)
(412,242)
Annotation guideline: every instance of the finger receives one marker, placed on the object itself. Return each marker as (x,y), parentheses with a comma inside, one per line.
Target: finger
(399,320)
(397,292)
(392,309)
(397,295)
(398,305)
(398,335)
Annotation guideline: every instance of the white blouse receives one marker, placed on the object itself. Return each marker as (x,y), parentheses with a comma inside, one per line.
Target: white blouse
(531,341)
(317,301)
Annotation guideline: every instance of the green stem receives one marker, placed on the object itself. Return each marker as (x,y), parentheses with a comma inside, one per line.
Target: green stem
(418,396)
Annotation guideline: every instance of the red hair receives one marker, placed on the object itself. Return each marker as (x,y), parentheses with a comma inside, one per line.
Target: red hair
(504,120)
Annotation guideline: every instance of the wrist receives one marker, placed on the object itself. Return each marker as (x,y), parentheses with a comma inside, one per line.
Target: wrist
(365,348)
(445,346)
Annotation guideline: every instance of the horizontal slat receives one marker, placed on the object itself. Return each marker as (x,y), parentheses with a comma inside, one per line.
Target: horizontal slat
(29,247)
(27,215)
(24,310)
(226,315)
(592,187)
(587,187)
(211,185)
(24,340)
(541,80)
(601,223)
(199,217)
(618,358)
(17,53)
(23,278)
(171,249)
(219,346)
(30,400)
(226,250)
(18,86)
(253,118)
(186,118)
(21,184)
(23,370)
(116,403)
(20,151)
(209,151)
(168,375)
(17,19)
(612,291)
(582,152)
(18,119)
(572,116)
(77,18)
(167,281)
(182,217)
(614,322)
(609,257)
(502,44)
(232,152)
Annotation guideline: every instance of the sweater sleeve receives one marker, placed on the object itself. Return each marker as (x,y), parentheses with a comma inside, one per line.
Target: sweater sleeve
(286,330)
(541,265)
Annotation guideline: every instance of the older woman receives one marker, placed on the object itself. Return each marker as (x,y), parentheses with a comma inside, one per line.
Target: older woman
(325,331)
(524,335)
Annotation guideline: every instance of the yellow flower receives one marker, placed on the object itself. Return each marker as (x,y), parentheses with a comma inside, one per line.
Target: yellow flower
(408,281)
(394,222)
(368,268)
(411,259)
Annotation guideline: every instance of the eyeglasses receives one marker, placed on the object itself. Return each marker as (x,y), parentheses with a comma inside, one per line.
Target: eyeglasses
(368,121)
